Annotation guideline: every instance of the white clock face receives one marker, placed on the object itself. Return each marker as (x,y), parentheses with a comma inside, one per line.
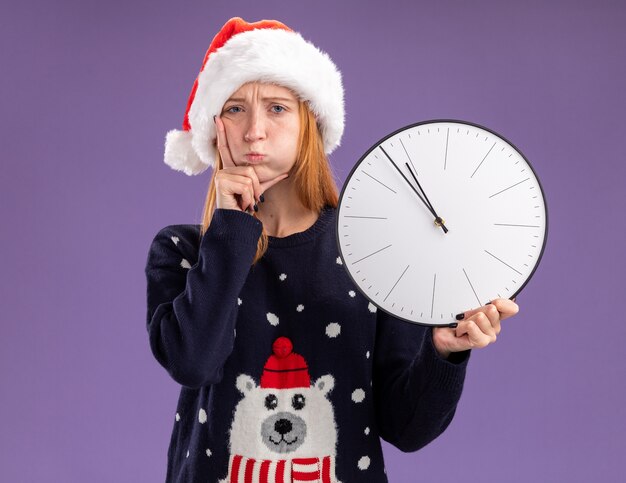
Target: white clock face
(465,222)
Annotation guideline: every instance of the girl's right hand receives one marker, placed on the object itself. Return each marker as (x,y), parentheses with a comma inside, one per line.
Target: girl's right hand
(237,187)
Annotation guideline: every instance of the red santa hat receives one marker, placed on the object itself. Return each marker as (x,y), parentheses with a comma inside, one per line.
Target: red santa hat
(285,369)
(264,51)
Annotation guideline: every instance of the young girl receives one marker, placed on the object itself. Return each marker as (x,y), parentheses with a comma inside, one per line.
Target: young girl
(288,373)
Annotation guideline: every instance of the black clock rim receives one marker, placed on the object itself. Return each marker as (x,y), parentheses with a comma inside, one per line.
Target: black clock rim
(409,126)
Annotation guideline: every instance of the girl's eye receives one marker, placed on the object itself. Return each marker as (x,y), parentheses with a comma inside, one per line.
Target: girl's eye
(278,109)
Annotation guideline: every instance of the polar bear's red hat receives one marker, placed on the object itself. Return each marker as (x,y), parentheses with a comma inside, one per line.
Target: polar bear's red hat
(265,51)
(285,369)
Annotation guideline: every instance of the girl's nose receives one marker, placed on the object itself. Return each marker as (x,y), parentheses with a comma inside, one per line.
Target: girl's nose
(256,127)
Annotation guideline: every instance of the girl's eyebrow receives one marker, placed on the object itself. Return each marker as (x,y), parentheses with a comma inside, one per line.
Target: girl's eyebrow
(280,99)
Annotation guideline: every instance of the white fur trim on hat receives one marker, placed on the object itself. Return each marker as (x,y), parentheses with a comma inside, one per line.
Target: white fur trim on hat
(266,55)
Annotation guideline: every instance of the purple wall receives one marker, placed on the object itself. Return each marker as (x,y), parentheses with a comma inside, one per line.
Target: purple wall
(88,90)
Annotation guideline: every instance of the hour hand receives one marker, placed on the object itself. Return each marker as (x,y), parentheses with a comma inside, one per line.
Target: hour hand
(438,220)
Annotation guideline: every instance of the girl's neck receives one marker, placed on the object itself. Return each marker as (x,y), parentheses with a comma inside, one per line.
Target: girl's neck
(282,213)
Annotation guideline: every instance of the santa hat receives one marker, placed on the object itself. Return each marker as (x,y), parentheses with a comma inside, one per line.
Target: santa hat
(285,369)
(264,51)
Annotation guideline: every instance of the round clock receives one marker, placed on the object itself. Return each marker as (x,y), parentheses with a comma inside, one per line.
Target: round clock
(440,217)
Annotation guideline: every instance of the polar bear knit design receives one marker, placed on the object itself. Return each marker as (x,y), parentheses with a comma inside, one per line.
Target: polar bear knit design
(283,430)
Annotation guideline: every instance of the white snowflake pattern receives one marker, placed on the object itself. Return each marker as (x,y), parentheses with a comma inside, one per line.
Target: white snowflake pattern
(351,293)
(177,417)
(202,416)
(372,308)
(339,262)
(358,395)
(364,463)
(175,239)
(300,308)
(333,329)
(185,264)
(282,276)
(239,302)
(208,452)
(272,319)
(367,354)
(187,454)
(367,430)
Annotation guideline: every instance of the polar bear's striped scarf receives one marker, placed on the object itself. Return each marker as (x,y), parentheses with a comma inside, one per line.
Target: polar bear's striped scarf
(250,470)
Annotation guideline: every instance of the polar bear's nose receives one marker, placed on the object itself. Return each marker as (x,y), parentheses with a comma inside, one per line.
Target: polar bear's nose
(282,426)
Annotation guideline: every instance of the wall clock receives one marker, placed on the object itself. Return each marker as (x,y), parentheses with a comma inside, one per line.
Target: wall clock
(440,217)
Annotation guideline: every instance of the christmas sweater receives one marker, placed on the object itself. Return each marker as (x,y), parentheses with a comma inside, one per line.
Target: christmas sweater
(287,372)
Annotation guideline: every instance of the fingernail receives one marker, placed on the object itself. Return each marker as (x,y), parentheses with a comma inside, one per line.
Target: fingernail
(453,325)
(262,198)
(460,316)
(256,208)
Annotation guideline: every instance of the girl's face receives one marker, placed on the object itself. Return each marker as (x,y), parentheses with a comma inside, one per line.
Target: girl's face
(262,125)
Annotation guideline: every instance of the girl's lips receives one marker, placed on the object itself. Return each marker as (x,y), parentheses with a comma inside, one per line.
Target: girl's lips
(255,157)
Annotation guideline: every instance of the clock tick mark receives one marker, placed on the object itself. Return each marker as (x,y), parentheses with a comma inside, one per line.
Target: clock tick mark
(483,159)
(501,261)
(512,186)
(472,286)
(510,224)
(445,161)
(378,181)
(432,303)
(373,253)
(394,285)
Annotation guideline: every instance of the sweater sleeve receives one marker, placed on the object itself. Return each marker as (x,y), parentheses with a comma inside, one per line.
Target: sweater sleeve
(416,391)
(192,309)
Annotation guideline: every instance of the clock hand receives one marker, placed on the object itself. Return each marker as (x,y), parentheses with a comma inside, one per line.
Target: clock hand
(408,182)
(438,220)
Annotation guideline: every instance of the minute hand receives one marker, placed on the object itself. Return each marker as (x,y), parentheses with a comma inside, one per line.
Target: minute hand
(438,220)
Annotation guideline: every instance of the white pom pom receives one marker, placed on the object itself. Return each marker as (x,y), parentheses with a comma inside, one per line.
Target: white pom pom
(180,155)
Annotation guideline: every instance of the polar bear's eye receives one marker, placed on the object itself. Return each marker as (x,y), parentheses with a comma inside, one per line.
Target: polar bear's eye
(297,401)
(271,401)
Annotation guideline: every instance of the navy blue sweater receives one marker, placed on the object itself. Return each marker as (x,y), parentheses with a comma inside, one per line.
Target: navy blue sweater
(342,374)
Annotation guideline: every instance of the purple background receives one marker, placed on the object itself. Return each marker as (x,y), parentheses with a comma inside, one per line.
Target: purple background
(89,89)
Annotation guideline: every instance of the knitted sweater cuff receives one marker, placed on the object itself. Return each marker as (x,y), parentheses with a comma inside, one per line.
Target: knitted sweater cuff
(445,372)
(234,225)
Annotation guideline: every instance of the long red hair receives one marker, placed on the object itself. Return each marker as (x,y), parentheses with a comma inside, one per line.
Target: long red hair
(311,173)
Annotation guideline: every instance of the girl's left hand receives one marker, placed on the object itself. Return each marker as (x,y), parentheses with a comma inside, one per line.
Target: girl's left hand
(478,328)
